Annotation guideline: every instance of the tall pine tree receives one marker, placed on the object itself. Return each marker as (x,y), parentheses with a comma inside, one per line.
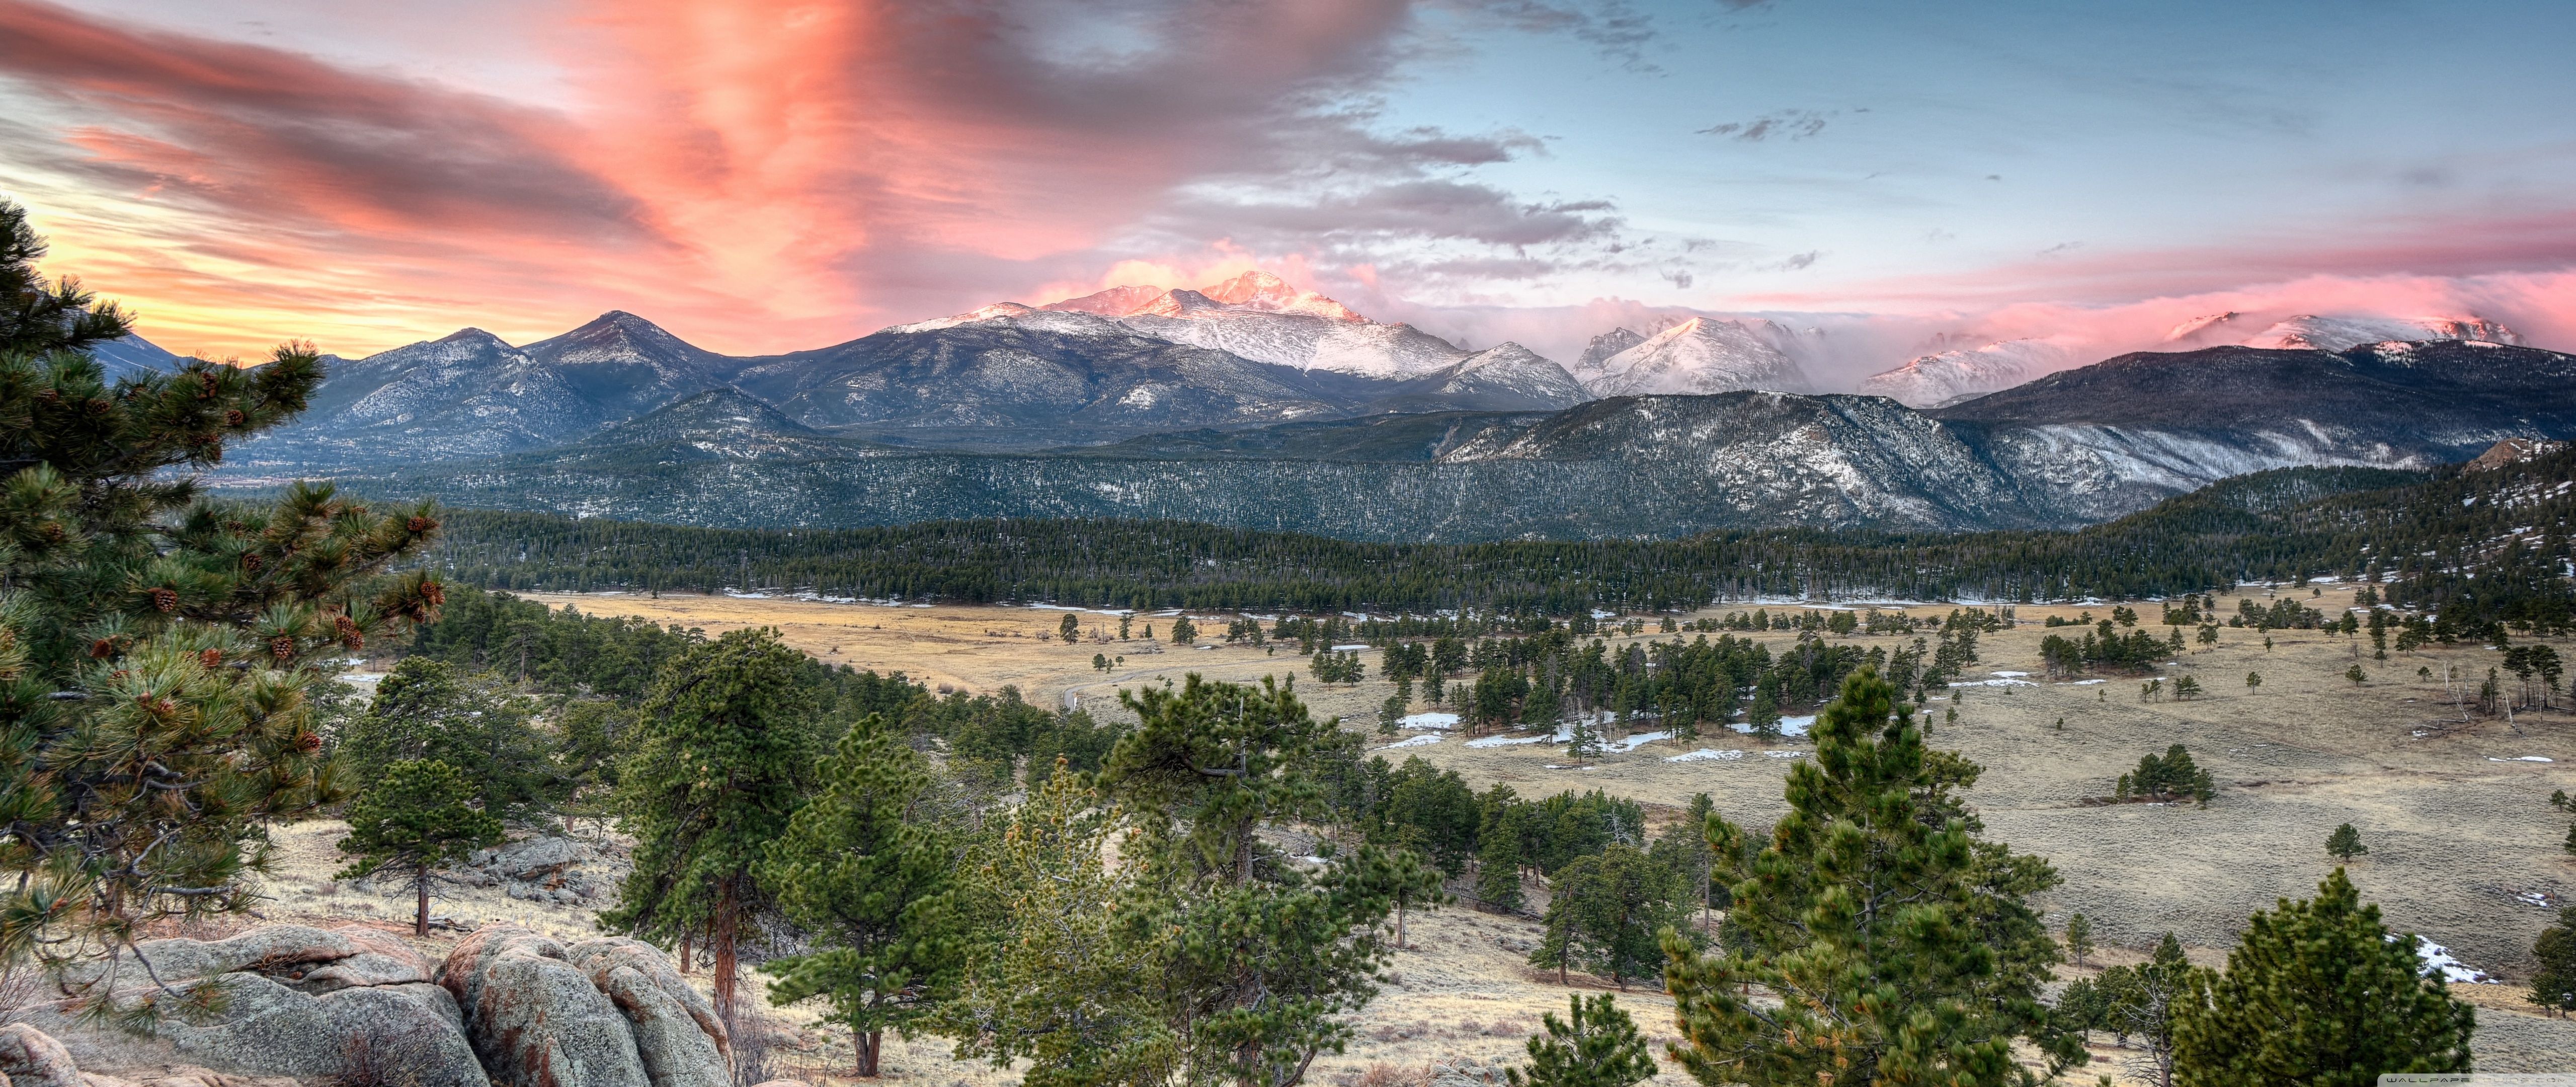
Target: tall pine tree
(865,872)
(159,652)
(1896,945)
(415,818)
(2317,994)
(725,753)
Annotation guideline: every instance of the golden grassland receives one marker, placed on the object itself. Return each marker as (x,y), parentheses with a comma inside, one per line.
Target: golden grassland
(2464,846)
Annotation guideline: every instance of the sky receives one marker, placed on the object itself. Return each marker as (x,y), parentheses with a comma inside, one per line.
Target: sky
(770,175)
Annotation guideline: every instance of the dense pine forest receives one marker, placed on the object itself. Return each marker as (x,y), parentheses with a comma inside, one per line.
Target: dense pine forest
(2496,540)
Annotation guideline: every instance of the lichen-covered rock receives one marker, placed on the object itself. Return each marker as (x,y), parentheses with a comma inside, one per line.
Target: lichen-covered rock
(31,1058)
(676,1031)
(297,1001)
(535,1018)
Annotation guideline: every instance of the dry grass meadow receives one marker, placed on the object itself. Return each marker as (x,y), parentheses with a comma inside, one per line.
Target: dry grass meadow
(2464,845)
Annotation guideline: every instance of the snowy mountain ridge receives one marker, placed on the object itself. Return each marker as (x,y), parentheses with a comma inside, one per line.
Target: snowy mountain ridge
(1701,355)
(1947,377)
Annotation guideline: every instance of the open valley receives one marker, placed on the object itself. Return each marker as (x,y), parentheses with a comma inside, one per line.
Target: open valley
(2464,845)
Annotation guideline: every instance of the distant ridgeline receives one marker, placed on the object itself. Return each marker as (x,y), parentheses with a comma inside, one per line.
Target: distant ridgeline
(2488,541)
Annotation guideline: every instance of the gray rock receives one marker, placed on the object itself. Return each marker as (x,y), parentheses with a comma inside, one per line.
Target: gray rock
(676,1031)
(535,1018)
(296,1001)
(31,1058)
(532,860)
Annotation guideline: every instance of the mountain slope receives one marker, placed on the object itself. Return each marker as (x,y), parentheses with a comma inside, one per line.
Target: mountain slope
(1263,318)
(1505,377)
(2436,401)
(1056,372)
(130,356)
(1947,377)
(1702,355)
(472,394)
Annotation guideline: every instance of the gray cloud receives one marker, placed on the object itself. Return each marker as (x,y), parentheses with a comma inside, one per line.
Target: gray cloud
(1790,124)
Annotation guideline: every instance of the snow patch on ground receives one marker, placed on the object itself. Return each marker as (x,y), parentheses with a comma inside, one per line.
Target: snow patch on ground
(2085,682)
(1993,683)
(2438,958)
(1496,741)
(1789,726)
(1636,741)
(1784,754)
(1438,722)
(1706,754)
(1411,741)
(2521,758)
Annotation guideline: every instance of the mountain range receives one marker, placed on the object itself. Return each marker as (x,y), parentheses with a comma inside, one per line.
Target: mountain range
(1252,403)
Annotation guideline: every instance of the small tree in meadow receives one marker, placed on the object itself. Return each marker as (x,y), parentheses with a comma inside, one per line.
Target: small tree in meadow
(1596,1045)
(2345,843)
(413,821)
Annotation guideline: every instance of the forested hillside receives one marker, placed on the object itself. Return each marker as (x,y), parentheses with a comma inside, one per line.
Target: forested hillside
(2496,536)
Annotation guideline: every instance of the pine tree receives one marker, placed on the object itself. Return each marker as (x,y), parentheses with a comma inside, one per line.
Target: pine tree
(1061,973)
(1070,629)
(1409,882)
(1606,912)
(1897,942)
(1184,632)
(478,725)
(2553,986)
(160,654)
(1204,770)
(2141,1002)
(865,872)
(2079,938)
(1595,1045)
(1581,741)
(415,819)
(1498,859)
(2317,994)
(2345,843)
(725,752)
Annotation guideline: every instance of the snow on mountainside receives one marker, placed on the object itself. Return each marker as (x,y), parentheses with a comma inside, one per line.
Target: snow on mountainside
(1504,377)
(1948,377)
(1270,294)
(2346,333)
(2343,332)
(1702,355)
(1256,315)
(133,356)
(1605,345)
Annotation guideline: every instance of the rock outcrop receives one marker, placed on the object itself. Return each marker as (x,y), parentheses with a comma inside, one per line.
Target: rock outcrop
(676,1031)
(295,1001)
(29,1058)
(599,1013)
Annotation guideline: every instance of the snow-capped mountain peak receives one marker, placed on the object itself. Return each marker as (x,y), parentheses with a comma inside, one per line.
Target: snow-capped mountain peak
(1947,377)
(2309,331)
(1114,302)
(1258,290)
(1607,344)
(1702,355)
(2202,326)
